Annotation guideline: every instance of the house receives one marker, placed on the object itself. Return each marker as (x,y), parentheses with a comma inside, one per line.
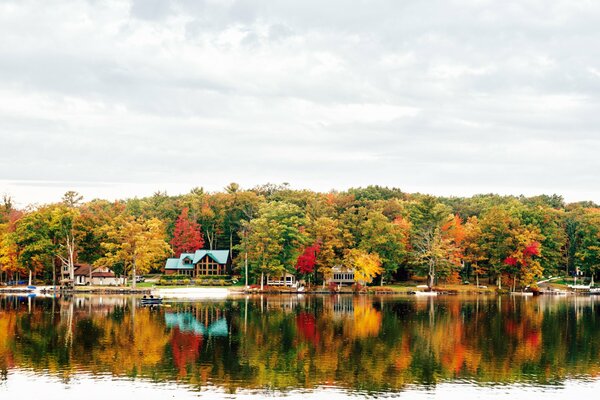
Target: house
(200,263)
(100,276)
(342,276)
(285,279)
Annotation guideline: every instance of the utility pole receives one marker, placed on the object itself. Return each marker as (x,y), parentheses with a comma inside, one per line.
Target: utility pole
(246,255)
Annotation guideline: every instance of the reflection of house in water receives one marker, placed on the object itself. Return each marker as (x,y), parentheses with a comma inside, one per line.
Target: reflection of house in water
(94,304)
(208,322)
(343,305)
(281,303)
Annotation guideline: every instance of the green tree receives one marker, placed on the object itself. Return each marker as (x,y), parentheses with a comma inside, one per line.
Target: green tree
(588,252)
(386,239)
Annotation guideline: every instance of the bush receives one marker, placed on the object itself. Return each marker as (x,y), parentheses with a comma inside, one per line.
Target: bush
(174,277)
(333,287)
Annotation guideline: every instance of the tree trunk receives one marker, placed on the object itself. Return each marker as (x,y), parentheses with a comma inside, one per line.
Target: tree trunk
(381,282)
(514,283)
(246,266)
(210,239)
(71,261)
(262,275)
(499,281)
(431,274)
(133,275)
(477,279)
(30,276)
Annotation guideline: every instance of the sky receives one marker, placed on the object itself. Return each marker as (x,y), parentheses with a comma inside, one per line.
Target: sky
(118,99)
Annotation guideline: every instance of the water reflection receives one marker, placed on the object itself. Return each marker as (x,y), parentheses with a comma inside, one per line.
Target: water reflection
(283,343)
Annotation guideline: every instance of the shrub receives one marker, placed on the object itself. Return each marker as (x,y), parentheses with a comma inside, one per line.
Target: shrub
(333,287)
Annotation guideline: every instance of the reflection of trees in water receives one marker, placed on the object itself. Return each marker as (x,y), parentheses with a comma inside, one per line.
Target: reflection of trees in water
(360,342)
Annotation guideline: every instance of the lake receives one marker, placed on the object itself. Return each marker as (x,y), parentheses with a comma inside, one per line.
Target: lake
(338,346)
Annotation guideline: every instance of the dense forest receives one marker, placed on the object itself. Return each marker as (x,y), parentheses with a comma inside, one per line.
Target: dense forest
(383,233)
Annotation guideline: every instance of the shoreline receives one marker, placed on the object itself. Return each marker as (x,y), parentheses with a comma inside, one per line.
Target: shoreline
(193,292)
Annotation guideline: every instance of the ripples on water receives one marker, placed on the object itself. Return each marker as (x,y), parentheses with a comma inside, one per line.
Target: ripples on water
(300,347)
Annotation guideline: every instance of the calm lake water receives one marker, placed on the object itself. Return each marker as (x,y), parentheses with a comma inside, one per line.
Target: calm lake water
(300,347)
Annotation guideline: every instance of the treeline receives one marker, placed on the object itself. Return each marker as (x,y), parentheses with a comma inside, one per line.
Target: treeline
(383,233)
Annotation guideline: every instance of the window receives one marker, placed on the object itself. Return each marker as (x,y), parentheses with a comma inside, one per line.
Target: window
(208,266)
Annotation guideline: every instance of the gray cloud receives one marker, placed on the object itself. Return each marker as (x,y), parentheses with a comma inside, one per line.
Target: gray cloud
(451,97)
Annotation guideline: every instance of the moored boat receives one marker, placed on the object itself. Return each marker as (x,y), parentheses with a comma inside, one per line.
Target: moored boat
(151,301)
(432,293)
(521,293)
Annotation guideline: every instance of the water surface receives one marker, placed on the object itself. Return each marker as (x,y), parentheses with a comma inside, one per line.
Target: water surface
(300,347)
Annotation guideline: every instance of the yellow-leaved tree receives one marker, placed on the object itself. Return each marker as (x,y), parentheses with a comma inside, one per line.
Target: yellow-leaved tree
(366,265)
(135,244)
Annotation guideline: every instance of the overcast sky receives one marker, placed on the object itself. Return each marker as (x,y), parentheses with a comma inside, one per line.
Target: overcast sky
(453,97)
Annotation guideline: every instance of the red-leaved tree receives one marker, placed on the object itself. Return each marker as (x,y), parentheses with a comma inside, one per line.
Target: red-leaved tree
(187,236)
(308,258)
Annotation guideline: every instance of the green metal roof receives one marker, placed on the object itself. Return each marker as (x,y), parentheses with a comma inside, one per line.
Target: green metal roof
(172,263)
(220,256)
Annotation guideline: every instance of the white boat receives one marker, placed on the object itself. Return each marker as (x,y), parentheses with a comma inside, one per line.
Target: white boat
(584,288)
(521,293)
(419,293)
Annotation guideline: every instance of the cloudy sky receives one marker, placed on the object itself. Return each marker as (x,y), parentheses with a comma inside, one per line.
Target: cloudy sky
(454,97)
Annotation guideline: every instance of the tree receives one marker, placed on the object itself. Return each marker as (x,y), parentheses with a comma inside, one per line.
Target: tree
(326,232)
(135,243)
(275,238)
(308,259)
(63,224)
(187,236)
(366,266)
(263,247)
(33,239)
(474,255)
(436,255)
(524,259)
(385,238)
(433,252)
(9,251)
(496,240)
(588,252)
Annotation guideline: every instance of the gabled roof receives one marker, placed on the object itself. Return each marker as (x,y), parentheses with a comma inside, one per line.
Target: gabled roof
(84,270)
(220,256)
(177,263)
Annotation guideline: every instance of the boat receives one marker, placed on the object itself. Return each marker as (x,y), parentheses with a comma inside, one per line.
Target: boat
(521,293)
(146,301)
(432,293)
(595,290)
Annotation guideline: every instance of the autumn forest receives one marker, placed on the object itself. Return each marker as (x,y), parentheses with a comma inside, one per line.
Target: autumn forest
(384,234)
